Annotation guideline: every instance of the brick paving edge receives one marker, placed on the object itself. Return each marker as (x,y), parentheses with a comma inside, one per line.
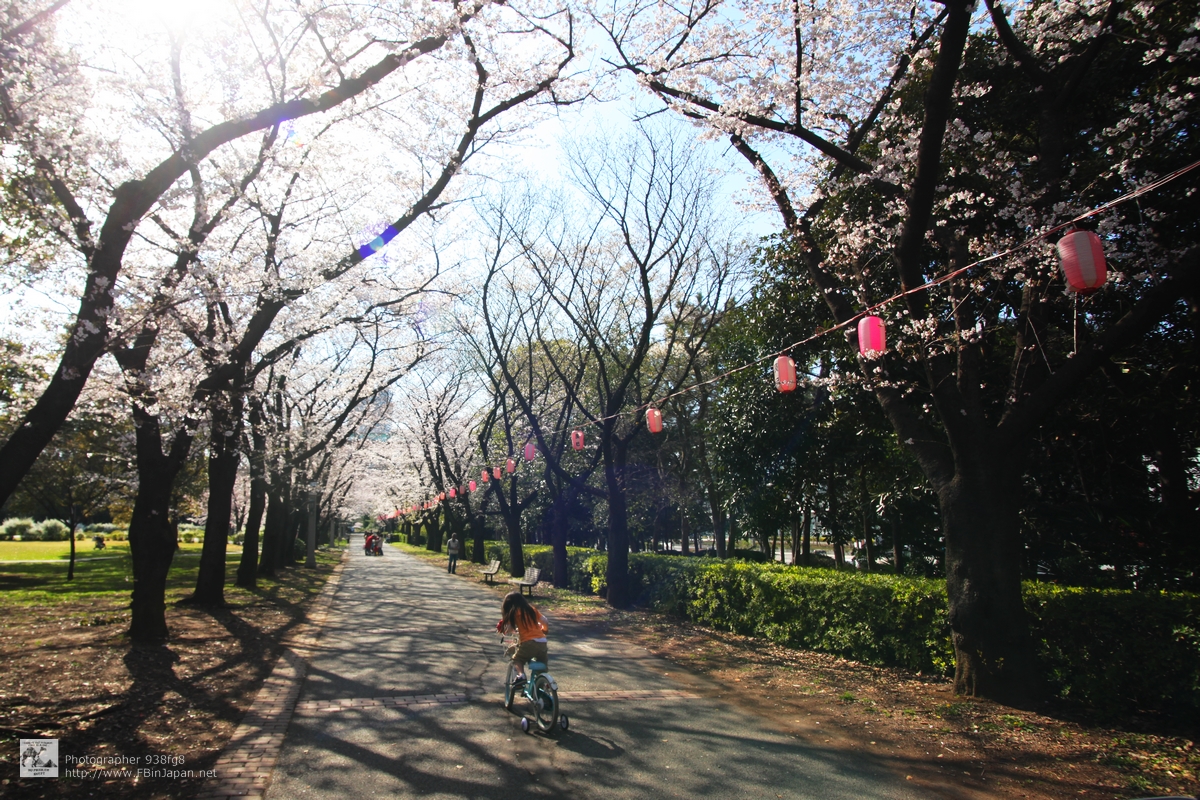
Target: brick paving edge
(243,770)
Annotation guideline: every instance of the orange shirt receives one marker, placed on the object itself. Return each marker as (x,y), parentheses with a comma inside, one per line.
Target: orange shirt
(535,631)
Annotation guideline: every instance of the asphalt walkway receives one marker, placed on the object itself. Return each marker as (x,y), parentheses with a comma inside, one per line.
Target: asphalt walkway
(403,699)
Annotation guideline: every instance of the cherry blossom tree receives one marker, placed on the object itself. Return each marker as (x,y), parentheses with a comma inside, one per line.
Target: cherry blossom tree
(91,176)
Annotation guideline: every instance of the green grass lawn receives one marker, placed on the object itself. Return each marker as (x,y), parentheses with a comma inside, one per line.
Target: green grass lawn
(38,551)
(107,578)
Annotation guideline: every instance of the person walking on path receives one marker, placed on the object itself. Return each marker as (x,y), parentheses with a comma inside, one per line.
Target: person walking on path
(452,551)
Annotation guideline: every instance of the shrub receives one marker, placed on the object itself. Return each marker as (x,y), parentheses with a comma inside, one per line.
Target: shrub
(542,557)
(1112,650)
(17,526)
(52,530)
(1119,650)
(745,554)
(100,527)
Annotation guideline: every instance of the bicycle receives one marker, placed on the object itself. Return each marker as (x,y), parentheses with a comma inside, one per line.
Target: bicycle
(540,689)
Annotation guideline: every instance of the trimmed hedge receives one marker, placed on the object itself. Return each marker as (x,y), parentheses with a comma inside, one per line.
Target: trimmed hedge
(1109,649)
(542,557)
(1116,650)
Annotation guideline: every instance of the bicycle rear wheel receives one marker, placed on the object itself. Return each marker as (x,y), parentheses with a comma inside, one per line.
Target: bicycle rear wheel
(509,692)
(545,702)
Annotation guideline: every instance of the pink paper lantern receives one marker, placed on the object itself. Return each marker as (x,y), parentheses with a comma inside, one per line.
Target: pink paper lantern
(871,339)
(496,473)
(442,496)
(510,465)
(785,374)
(577,440)
(472,485)
(485,475)
(654,420)
(1082,257)
(453,493)
(530,452)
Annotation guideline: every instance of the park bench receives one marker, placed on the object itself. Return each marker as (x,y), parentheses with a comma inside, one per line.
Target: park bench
(492,568)
(530,580)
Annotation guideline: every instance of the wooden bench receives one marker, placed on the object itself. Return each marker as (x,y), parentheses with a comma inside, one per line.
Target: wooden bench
(529,581)
(492,568)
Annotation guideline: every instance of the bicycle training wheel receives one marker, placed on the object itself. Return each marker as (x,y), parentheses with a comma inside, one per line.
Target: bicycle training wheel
(509,692)
(545,702)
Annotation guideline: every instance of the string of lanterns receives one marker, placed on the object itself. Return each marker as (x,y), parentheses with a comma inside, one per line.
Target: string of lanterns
(1081,258)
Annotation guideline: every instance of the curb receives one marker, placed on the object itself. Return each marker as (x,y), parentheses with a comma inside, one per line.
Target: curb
(243,770)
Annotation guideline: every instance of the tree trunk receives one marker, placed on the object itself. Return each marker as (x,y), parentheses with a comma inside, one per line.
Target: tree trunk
(993,652)
(683,530)
(248,566)
(558,539)
(71,562)
(295,522)
(516,552)
(1183,522)
(718,521)
(223,461)
(153,537)
(796,525)
(433,532)
(897,550)
(868,537)
(273,532)
(806,543)
(310,538)
(617,572)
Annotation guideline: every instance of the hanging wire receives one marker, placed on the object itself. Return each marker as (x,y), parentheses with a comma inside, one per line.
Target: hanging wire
(1125,198)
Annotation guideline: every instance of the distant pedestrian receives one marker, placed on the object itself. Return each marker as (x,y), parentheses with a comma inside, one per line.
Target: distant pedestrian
(452,551)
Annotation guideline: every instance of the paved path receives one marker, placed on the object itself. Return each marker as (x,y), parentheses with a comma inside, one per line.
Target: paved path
(402,699)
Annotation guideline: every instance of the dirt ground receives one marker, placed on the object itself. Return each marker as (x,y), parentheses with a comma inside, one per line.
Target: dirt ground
(69,672)
(953,747)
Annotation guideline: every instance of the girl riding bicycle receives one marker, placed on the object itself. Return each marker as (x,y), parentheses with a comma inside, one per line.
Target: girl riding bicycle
(518,615)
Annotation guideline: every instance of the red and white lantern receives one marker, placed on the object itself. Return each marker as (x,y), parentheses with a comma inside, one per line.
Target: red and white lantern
(485,475)
(510,466)
(785,374)
(654,420)
(496,473)
(871,339)
(441,496)
(530,452)
(472,485)
(1082,258)
(577,440)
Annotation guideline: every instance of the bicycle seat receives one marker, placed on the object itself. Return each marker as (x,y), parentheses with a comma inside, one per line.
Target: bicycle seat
(536,666)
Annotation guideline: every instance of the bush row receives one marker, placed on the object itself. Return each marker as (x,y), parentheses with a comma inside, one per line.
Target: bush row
(1110,649)
(25,529)
(542,557)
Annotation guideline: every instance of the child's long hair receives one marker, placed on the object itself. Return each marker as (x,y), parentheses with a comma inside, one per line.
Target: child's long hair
(517,607)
